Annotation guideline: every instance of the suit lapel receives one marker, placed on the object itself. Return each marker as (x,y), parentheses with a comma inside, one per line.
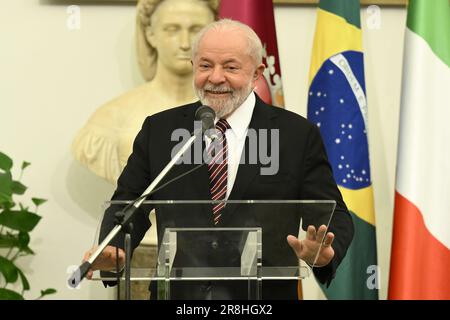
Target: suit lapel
(197,188)
(261,119)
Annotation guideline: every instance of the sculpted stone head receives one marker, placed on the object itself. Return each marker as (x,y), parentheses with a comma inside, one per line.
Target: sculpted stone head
(164,31)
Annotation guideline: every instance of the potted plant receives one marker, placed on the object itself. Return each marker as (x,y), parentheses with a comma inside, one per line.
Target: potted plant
(16,222)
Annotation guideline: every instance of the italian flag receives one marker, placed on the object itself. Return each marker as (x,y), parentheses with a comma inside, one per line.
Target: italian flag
(420,258)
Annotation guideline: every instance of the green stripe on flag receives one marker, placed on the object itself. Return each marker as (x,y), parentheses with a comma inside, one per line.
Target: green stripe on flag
(432,23)
(357,278)
(347,9)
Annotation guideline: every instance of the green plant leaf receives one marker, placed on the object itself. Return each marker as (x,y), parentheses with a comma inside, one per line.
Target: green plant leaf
(6,162)
(9,241)
(48,291)
(27,250)
(25,283)
(6,201)
(23,239)
(6,294)
(6,205)
(38,201)
(25,164)
(5,187)
(19,220)
(9,270)
(18,240)
(18,188)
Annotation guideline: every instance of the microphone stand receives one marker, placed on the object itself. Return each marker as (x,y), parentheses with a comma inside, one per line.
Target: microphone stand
(124,224)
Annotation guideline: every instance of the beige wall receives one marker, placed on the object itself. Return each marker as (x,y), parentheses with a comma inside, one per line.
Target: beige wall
(53,78)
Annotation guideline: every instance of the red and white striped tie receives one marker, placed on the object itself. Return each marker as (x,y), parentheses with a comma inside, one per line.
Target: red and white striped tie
(218,168)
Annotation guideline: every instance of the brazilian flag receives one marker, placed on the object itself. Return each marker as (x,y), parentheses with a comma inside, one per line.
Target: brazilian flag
(337,104)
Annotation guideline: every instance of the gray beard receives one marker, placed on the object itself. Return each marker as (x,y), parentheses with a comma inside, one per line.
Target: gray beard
(224,106)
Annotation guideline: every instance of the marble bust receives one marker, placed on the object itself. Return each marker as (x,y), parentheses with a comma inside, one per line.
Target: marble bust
(164,30)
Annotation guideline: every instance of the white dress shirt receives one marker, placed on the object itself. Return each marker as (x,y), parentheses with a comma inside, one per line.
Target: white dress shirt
(239,121)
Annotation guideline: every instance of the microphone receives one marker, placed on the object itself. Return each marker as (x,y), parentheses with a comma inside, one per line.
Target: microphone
(207,115)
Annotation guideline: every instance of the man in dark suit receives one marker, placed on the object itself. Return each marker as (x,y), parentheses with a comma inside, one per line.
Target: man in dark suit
(227,62)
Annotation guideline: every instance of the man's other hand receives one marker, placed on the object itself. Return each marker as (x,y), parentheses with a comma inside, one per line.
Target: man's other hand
(307,248)
(106,261)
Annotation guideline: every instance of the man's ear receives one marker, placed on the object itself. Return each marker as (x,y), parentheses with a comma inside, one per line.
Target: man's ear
(258,71)
(150,36)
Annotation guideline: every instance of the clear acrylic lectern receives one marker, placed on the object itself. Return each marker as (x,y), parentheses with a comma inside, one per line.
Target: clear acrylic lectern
(247,248)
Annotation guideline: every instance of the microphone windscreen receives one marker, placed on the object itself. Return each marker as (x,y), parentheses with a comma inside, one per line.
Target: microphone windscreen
(206,115)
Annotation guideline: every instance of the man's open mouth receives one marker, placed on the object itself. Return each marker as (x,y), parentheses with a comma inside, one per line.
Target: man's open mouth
(217,92)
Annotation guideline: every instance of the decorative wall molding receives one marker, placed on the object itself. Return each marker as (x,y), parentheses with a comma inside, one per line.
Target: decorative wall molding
(278,2)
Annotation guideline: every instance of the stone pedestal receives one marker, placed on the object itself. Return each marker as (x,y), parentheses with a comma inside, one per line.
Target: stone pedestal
(144,256)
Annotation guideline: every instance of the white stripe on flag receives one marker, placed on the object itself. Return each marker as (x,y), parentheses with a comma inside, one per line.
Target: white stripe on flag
(423,174)
(341,62)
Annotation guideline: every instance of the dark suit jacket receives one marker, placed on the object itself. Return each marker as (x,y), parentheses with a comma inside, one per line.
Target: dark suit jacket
(304,173)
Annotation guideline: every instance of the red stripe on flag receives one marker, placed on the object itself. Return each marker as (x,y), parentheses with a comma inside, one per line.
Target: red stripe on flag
(420,264)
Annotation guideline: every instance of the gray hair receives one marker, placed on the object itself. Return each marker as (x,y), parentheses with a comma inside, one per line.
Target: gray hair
(255,48)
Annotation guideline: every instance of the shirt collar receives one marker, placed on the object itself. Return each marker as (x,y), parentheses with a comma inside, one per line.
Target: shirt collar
(240,119)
